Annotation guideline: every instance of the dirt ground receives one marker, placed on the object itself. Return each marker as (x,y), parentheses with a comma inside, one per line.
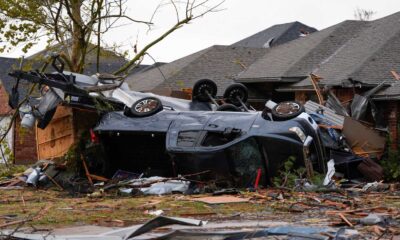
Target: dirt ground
(54,209)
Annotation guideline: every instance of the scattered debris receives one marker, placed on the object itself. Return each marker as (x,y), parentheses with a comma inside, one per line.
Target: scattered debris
(154,212)
(221,199)
(176,146)
(360,103)
(363,140)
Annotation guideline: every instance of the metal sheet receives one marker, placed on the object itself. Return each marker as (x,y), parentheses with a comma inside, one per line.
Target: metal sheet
(335,119)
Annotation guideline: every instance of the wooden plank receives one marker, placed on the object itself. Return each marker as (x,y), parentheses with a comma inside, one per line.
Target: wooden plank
(56,129)
(345,220)
(86,170)
(55,149)
(56,139)
(62,112)
(63,131)
(314,80)
(366,138)
(395,75)
(221,199)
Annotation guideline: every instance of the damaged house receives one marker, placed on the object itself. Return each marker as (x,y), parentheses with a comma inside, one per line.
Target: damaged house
(21,142)
(29,145)
(352,57)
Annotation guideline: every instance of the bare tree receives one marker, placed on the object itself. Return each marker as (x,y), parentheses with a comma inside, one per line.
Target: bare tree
(77,26)
(363,15)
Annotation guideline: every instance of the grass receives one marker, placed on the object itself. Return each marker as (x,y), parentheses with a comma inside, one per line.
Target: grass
(114,210)
(66,210)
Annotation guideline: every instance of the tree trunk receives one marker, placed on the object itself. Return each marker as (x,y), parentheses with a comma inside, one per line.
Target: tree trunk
(78,38)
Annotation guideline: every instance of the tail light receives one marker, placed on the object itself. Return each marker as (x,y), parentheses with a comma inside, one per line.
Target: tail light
(93,137)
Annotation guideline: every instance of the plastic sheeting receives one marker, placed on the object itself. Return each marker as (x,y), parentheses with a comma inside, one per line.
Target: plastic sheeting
(162,187)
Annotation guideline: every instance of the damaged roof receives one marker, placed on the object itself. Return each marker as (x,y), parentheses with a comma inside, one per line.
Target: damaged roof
(352,51)
(218,63)
(391,92)
(275,35)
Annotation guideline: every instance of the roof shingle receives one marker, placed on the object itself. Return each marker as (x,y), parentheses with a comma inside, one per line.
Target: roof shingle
(218,63)
(275,35)
(351,51)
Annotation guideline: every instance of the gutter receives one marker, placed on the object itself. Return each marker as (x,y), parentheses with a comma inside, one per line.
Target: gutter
(258,80)
(386,98)
(294,89)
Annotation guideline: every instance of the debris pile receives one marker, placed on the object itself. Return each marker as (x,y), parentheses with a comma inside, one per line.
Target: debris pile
(355,146)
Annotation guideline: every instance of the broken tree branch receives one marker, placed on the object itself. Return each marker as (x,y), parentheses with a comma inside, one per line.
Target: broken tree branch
(188,18)
(39,215)
(128,65)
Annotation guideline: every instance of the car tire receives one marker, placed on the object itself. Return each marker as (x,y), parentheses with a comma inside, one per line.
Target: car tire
(144,107)
(234,91)
(200,88)
(287,110)
(227,107)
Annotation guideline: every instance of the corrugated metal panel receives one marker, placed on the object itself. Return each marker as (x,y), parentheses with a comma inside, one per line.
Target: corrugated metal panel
(312,107)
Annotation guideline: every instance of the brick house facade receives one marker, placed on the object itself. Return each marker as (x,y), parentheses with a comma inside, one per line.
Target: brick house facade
(24,144)
(21,141)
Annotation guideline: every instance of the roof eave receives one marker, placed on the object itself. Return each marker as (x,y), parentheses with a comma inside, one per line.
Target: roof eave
(258,80)
(270,79)
(386,97)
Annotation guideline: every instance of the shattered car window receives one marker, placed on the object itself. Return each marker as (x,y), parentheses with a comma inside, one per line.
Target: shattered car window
(188,138)
(220,138)
(247,160)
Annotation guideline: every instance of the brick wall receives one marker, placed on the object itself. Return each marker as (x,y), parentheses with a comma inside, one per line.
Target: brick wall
(24,144)
(345,95)
(301,97)
(392,118)
(4,108)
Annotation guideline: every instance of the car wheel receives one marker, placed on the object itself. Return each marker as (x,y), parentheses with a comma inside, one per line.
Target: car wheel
(235,91)
(287,110)
(201,88)
(144,107)
(227,107)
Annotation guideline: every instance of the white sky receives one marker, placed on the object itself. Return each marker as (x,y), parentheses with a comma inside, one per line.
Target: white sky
(239,19)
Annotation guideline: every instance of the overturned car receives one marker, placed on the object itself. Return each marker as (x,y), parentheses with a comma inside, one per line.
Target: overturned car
(224,137)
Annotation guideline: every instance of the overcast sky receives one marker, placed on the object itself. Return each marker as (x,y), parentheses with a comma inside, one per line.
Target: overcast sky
(238,20)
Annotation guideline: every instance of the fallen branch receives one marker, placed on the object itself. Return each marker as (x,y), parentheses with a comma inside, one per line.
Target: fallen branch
(345,220)
(86,170)
(39,215)
(54,181)
(353,211)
